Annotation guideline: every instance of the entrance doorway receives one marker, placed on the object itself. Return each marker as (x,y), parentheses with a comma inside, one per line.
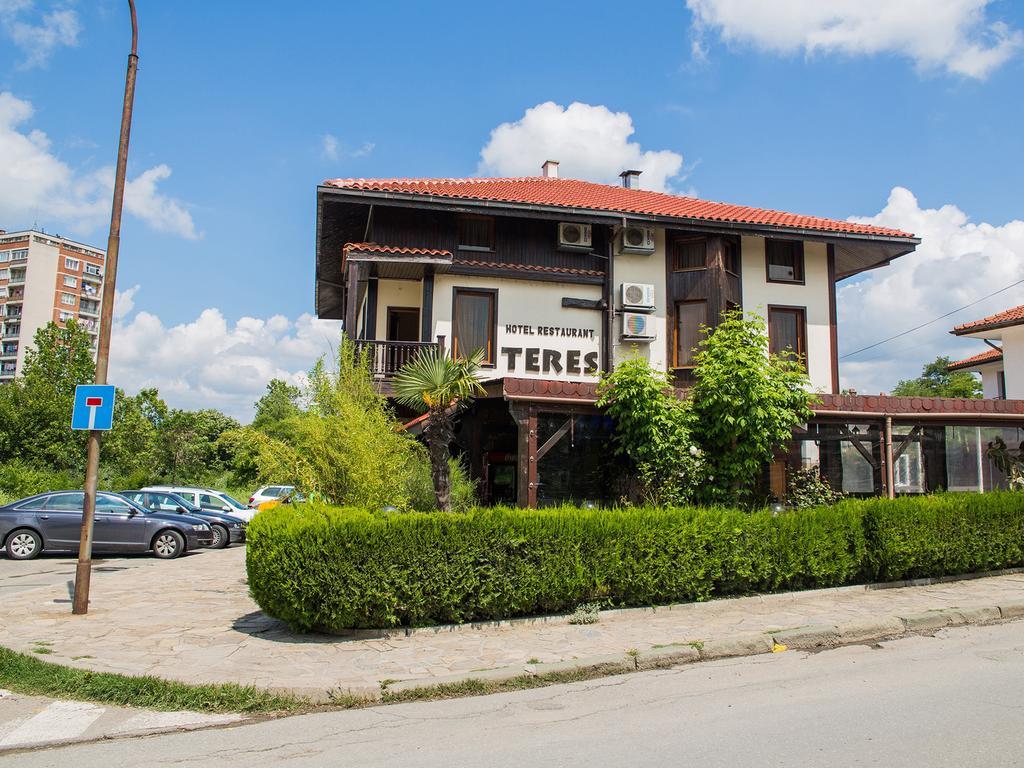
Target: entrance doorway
(403,324)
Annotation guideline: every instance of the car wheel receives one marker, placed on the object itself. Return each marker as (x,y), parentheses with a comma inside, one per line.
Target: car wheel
(168,545)
(24,544)
(221,537)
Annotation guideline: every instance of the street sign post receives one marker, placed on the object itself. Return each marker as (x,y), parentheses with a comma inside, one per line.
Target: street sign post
(94,407)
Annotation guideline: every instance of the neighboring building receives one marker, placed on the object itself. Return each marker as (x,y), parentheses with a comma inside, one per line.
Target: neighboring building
(1002,366)
(558,279)
(44,278)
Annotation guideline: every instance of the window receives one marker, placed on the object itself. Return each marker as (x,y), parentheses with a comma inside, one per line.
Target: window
(474,323)
(67,502)
(72,264)
(65,316)
(93,270)
(70,282)
(38,503)
(476,233)
(1001,385)
(108,505)
(785,260)
(5,274)
(690,315)
(19,254)
(5,256)
(731,255)
(787,332)
(689,253)
(67,298)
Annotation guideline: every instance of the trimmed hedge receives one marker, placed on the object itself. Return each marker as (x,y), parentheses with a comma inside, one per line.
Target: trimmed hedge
(328,568)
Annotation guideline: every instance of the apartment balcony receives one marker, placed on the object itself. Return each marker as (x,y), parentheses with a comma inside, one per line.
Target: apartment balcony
(89,308)
(386,358)
(12,332)
(12,312)
(7,369)
(9,352)
(17,278)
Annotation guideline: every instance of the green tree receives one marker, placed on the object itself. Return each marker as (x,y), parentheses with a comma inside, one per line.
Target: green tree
(651,431)
(436,384)
(936,380)
(745,403)
(276,407)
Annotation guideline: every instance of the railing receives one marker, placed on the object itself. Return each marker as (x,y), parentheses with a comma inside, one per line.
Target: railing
(387,357)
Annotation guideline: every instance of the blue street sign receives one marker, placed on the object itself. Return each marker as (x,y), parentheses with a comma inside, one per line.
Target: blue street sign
(94,407)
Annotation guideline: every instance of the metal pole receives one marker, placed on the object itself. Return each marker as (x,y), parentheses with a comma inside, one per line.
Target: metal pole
(890,474)
(92,469)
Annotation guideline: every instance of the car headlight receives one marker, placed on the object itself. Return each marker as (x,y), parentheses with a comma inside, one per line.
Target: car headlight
(200,527)
(236,525)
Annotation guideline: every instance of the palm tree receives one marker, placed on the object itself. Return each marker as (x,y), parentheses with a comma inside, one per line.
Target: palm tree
(435,384)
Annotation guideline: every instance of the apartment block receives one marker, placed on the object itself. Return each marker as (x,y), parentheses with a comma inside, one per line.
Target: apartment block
(44,278)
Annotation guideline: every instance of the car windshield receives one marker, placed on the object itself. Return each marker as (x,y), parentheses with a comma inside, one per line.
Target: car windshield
(232,502)
(174,498)
(113,502)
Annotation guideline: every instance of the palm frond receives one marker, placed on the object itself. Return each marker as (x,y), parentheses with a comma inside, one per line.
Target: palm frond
(434,381)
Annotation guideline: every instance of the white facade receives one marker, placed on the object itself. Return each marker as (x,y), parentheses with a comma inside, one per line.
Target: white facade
(43,279)
(1013,361)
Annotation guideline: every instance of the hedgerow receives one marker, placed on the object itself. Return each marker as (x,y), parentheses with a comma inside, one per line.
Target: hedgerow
(331,568)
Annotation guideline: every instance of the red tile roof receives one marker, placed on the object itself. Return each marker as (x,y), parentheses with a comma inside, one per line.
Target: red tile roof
(1013,316)
(585,195)
(989,356)
(887,404)
(528,267)
(393,250)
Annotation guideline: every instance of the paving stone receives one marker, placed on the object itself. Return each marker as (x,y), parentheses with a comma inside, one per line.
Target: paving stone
(741,645)
(809,638)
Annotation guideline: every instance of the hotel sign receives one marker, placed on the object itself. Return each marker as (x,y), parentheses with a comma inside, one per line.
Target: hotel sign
(551,349)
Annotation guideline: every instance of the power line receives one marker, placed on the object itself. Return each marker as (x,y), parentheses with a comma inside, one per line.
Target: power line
(933,320)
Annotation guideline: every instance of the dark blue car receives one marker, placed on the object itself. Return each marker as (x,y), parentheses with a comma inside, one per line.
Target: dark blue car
(227,529)
(51,522)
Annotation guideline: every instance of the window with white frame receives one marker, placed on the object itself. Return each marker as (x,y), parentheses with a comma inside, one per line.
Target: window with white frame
(19,254)
(5,274)
(71,264)
(65,316)
(70,282)
(5,256)
(67,298)
(92,269)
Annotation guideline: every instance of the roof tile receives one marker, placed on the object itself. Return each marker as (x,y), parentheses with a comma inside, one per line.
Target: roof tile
(1014,316)
(586,195)
(989,356)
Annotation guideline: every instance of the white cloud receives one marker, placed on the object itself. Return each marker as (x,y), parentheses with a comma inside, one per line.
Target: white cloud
(124,302)
(35,184)
(331,148)
(955,35)
(957,263)
(211,363)
(590,142)
(39,40)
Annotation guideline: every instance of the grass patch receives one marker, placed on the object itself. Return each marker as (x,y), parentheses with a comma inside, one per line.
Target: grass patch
(34,677)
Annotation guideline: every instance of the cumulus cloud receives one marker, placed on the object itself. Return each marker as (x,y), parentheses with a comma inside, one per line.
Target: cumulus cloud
(957,263)
(954,35)
(36,184)
(40,38)
(590,142)
(331,148)
(210,362)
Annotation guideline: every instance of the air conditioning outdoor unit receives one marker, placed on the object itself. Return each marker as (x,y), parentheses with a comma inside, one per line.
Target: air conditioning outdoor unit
(637,327)
(637,239)
(637,296)
(574,237)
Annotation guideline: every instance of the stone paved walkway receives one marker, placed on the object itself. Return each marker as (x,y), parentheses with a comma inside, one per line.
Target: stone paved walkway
(192,619)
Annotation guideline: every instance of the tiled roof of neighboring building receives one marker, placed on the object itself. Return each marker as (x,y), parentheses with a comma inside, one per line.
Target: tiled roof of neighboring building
(982,358)
(586,195)
(394,250)
(1013,316)
(888,404)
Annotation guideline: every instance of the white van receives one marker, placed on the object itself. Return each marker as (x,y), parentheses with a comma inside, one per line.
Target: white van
(206,498)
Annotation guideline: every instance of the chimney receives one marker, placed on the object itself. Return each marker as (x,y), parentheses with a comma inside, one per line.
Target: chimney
(630,179)
(550,169)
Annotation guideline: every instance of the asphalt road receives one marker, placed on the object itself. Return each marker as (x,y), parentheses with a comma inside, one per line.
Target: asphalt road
(955,699)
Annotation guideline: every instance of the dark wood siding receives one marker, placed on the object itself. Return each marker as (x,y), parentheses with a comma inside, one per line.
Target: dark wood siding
(516,240)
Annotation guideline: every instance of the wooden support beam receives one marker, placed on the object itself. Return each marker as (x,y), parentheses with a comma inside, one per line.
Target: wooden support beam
(898,451)
(552,441)
(525,416)
(427,308)
(856,441)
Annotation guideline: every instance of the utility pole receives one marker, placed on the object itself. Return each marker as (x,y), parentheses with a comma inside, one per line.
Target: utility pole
(92,469)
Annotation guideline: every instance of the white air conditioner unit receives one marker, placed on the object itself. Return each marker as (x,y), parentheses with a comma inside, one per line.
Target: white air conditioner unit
(574,237)
(637,239)
(637,327)
(637,296)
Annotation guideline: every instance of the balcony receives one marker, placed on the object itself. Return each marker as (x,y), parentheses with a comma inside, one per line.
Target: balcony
(12,312)
(88,308)
(17,278)
(386,358)
(12,331)
(9,350)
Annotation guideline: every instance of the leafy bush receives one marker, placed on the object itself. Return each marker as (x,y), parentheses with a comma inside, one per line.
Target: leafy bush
(340,568)
(806,487)
(913,537)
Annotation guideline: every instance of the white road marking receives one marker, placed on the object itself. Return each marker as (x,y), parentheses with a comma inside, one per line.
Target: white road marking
(147,721)
(61,720)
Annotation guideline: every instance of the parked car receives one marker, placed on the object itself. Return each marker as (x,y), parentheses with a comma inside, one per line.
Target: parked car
(294,497)
(269,493)
(53,522)
(227,529)
(206,498)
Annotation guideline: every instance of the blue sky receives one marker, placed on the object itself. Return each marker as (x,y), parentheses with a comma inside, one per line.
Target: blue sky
(250,105)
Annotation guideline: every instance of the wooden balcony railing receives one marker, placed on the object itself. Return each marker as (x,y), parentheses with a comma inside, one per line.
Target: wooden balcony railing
(387,357)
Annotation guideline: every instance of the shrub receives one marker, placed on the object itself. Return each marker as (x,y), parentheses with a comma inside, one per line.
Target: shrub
(947,533)
(339,568)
